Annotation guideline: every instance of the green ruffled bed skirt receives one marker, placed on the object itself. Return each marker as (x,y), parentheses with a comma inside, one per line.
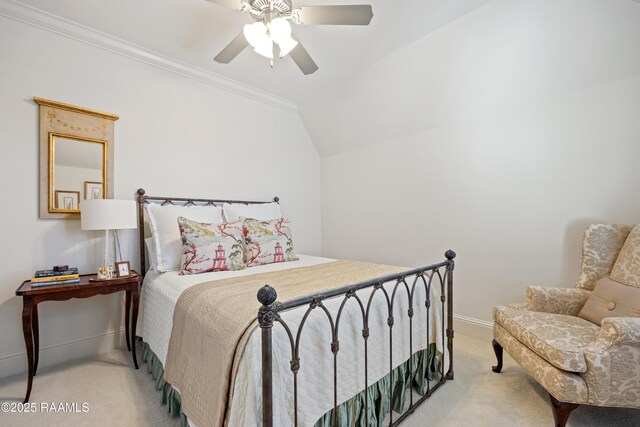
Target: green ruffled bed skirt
(170,395)
(350,413)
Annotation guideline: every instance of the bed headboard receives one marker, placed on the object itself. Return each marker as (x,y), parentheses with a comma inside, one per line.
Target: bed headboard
(143,199)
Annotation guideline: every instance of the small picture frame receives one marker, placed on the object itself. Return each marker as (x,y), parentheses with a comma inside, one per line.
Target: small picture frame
(123,269)
(92,190)
(67,200)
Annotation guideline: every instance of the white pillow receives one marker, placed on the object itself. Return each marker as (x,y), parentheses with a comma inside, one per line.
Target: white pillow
(152,257)
(166,234)
(259,211)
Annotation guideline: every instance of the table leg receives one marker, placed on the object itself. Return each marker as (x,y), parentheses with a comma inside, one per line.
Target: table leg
(36,338)
(126,317)
(134,321)
(27,315)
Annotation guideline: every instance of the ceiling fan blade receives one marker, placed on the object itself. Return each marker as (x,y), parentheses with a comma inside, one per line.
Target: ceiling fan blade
(303,60)
(335,15)
(232,4)
(232,50)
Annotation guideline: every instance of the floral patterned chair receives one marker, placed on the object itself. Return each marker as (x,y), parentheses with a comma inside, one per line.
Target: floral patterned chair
(582,344)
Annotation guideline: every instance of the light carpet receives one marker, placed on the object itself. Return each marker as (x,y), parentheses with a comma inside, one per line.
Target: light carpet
(118,395)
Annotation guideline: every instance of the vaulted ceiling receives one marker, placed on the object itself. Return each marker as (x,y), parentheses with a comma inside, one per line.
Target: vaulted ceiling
(194,31)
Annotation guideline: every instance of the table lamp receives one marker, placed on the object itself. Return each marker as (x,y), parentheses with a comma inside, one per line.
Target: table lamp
(107,214)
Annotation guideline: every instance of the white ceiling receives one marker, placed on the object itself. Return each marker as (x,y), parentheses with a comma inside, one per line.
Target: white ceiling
(194,31)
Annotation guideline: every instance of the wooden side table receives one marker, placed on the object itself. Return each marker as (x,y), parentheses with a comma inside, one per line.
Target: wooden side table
(87,287)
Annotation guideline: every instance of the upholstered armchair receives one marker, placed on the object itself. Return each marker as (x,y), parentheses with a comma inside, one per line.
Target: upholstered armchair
(582,344)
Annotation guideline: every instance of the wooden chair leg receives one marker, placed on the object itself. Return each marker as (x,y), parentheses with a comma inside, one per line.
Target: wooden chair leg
(497,349)
(561,411)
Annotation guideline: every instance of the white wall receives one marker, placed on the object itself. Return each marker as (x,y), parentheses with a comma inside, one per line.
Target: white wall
(502,136)
(175,136)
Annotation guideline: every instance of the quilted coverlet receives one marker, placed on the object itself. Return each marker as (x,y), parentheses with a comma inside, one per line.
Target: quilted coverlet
(212,322)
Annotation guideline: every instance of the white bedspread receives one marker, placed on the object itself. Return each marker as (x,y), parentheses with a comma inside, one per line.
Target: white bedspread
(160,293)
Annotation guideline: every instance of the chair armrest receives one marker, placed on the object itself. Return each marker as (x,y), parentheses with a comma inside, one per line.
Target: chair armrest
(618,331)
(613,371)
(555,300)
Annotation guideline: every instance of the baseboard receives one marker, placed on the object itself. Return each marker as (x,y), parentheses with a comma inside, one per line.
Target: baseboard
(476,328)
(16,363)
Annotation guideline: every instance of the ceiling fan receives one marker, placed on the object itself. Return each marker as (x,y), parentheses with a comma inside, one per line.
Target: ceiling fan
(272,29)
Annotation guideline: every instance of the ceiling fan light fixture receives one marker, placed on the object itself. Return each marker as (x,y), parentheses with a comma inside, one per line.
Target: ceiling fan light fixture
(287,45)
(265,49)
(255,33)
(273,25)
(279,29)
(258,37)
(280,32)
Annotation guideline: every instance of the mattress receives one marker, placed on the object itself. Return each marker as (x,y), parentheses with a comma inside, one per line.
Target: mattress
(161,291)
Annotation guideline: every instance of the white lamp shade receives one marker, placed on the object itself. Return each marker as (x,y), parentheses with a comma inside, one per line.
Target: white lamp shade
(257,36)
(255,33)
(261,37)
(107,214)
(287,45)
(279,29)
(265,49)
(280,32)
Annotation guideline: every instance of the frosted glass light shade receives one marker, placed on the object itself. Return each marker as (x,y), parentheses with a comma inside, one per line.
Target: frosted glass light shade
(255,33)
(265,49)
(280,32)
(279,29)
(257,36)
(287,45)
(107,214)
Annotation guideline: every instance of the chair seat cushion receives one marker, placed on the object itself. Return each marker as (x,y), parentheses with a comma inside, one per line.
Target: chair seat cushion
(557,338)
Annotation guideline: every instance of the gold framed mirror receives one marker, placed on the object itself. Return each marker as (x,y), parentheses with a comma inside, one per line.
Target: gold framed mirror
(76,157)
(77,171)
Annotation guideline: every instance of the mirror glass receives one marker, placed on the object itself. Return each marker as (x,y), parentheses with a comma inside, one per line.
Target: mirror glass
(77,171)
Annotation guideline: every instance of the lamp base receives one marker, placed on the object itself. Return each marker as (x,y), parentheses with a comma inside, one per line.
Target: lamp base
(105,273)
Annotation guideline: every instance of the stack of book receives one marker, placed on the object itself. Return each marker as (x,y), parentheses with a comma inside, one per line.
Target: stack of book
(55,277)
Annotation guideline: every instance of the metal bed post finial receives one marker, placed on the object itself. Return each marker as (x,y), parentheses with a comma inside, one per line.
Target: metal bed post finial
(140,193)
(266,316)
(450,255)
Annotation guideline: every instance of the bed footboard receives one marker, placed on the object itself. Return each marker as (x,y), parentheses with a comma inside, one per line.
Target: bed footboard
(440,274)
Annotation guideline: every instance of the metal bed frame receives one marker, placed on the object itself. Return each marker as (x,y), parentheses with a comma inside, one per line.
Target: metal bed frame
(269,313)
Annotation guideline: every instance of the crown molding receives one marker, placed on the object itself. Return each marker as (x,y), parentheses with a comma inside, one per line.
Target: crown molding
(55,24)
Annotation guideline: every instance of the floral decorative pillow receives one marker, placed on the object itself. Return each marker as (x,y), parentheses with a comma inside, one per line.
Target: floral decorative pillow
(267,242)
(210,247)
